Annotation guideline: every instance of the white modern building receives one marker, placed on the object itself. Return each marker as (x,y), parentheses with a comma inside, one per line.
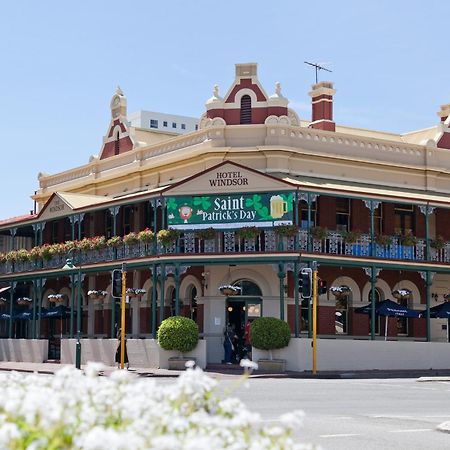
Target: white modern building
(170,123)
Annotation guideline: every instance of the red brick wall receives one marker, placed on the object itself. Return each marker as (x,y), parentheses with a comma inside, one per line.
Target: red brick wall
(327,212)
(145,322)
(291,317)
(326,319)
(442,223)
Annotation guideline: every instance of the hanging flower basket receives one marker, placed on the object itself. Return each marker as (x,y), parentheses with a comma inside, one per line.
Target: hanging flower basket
(134,292)
(229,290)
(97,295)
(206,234)
(319,233)
(350,237)
(402,294)
(248,232)
(286,230)
(167,237)
(340,292)
(2,301)
(437,243)
(446,297)
(24,301)
(56,298)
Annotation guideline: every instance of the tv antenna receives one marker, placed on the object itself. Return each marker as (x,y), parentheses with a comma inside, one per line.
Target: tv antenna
(317,67)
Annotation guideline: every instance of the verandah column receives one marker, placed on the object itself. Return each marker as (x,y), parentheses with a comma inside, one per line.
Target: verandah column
(34,297)
(372,205)
(11,299)
(296,301)
(281,275)
(162,280)
(177,289)
(373,273)
(154,303)
(427,211)
(428,276)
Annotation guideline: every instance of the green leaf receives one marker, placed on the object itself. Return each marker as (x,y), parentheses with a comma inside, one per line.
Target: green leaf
(171,204)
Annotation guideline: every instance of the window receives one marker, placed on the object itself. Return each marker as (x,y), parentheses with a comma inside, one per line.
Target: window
(108,224)
(165,123)
(193,303)
(402,322)
(378,219)
(343,214)
(304,215)
(117,145)
(54,236)
(341,315)
(246,110)
(174,125)
(183,126)
(67,229)
(196,127)
(304,316)
(127,219)
(153,123)
(404,219)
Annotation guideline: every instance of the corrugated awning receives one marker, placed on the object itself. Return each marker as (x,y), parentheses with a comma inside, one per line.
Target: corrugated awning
(370,192)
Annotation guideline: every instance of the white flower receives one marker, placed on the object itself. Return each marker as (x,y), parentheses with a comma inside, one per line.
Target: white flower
(246,363)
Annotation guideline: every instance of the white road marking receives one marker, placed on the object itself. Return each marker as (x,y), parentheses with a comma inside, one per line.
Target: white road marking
(338,435)
(411,431)
(385,416)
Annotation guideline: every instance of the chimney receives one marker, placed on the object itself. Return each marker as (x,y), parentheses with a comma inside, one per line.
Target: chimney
(444,112)
(322,106)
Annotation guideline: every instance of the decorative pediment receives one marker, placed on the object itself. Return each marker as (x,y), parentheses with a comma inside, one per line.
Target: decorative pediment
(228,177)
(56,206)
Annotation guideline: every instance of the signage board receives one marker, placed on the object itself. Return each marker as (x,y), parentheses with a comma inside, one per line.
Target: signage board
(229,211)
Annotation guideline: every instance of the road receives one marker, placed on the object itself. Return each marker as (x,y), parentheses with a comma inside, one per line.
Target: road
(355,414)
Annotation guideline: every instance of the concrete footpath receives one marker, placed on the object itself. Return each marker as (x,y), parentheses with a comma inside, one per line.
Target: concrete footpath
(220,371)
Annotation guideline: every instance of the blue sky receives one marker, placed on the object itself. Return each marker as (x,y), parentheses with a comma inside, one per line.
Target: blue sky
(61,61)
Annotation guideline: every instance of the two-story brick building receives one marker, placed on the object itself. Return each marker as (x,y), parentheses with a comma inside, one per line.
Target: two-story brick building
(255,194)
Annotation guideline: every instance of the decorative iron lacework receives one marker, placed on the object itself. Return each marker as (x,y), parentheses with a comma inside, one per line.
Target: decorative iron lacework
(269,240)
(229,244)
(189,242)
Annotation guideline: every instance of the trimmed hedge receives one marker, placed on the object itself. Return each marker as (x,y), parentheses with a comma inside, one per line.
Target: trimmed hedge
(178,333)
(268,333)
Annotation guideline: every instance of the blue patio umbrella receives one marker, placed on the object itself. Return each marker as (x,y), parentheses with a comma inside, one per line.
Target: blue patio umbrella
(56,312)
(441,311)
(388,308)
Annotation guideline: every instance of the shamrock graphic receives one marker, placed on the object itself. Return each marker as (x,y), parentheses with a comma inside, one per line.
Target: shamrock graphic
(202,202)
(171,204)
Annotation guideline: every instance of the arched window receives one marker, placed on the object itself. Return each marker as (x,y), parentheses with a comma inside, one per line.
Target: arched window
(248,288)
(246,110)
(193,303)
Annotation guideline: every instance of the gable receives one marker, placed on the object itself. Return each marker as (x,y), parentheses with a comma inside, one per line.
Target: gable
(228,177)
(55,207)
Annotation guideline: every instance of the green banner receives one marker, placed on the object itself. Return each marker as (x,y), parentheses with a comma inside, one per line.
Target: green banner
(225,211)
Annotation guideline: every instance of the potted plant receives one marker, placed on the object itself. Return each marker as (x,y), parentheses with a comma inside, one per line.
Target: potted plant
(350,237)
(383,239)
(131,238)
(286,230)
(11,256)
(97,295)
(24,301)
(341,291)
(167,237)
(114,241)
(438,243)
(229,290)
(401,294)
(206,234)
(55,298)
(180,334)
(248,232)
(319,233)
(35,254)
(146,236)
(135,292)
(269,333)
(408,239)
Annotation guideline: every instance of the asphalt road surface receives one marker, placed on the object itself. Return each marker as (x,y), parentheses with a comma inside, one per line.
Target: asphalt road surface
(355,414)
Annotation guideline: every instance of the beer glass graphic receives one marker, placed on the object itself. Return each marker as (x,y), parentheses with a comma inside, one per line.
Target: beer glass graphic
(278,206)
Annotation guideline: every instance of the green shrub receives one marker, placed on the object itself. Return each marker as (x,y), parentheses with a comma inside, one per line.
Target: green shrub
(268,333)
(178,333)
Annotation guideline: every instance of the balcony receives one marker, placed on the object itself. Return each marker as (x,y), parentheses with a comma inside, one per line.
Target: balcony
(226,242)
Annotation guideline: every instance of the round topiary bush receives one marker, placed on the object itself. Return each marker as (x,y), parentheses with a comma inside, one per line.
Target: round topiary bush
(178,333)
(268,333)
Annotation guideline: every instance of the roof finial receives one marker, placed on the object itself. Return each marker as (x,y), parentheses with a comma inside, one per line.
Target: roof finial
(119,91)
(278,89)
(216,91)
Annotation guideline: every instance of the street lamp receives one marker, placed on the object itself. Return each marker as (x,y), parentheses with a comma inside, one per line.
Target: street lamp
(70,266)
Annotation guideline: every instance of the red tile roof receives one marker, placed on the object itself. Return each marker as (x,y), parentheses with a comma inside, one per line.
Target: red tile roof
(17,219)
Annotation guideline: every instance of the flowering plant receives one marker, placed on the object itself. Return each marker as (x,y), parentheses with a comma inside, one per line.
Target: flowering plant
(350,237)
(408,239)
(206,233)
(383,239)
(229,289)
(340,291)
(438,243)
(97,295)
(122,411)
(167,237)
(248,232)
(55,298)
(286,230)
(131,292)
(24,301)
(319,233)
(11,256)
(401,294)
(130,238)
(35,254)
(114,241)
(146,235)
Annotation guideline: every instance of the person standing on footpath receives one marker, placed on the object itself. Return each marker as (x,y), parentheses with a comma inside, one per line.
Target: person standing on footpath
(119,348)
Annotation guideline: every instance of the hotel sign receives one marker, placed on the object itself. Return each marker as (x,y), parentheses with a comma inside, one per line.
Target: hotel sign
(226,211)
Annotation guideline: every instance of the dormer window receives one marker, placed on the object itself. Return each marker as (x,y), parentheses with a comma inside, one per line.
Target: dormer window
(246,110)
